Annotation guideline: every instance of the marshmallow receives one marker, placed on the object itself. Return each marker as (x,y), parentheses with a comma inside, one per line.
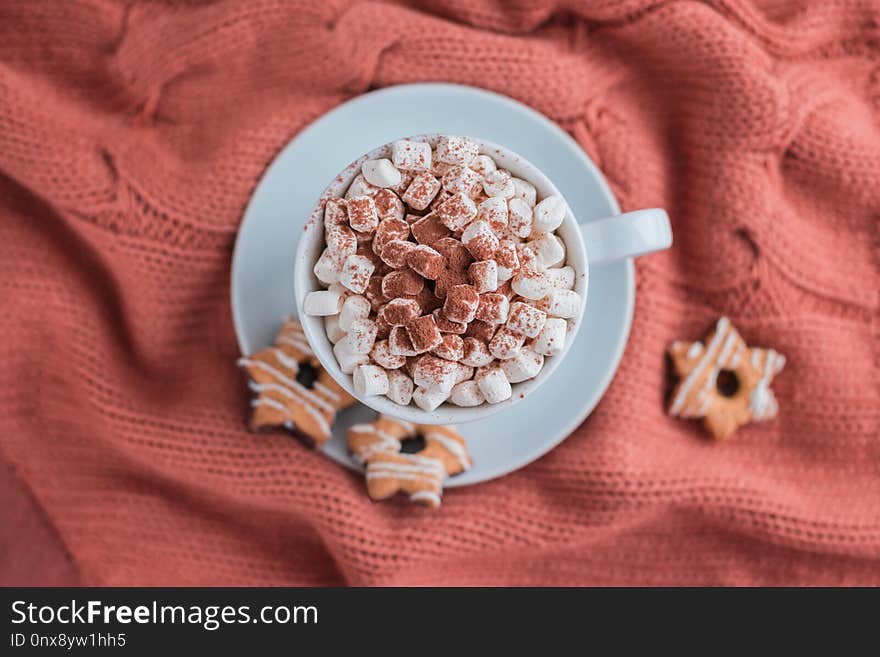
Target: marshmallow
(370,380)
(398,312)
(457,211)
(506,344)
(363,216)
(466,394)
(433,373)
(429,230)
(498,183)
(549,250)
(476,353)
(530,284)
(332,329)
(354,307)
(461,303)
(322,303)
(439,168)
(561,278)
(382,355)
(389,205)
(328,268)
(447,280)
(493,384)
(451,348)
(483,164)
(360,187)
(374,292)
(390,229)
(549,214)
(456,150)
(463,373)
(447,325)
(362,335)
(442,196)
(462,180)
(429,400)
(551,339)
(481,330)
(380,173)
(519,217)
(426,261)
(493,309)
(423,333)
(394,253)
(404,282)
(356,272)
(507,260)
(421,191)
(339,289)
(525,320)
(564,303)
(340,239)
(347,357)
(494,212)
(334,212)
(411,155)
(484,275)
(524,190)
(480,240)
(457,257)
(399,343)
(525,365)
(400,387)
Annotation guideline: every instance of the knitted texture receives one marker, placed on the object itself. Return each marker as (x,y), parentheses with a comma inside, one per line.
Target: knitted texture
(132,135)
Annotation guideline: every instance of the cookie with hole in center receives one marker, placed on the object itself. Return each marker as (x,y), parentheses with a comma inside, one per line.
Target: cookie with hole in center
(411,458)
(292,390)
(723,381)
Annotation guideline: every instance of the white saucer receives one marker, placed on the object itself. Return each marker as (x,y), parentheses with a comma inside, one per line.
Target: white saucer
(262,265)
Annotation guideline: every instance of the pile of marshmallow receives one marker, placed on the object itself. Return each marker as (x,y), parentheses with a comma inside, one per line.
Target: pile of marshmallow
(444,279)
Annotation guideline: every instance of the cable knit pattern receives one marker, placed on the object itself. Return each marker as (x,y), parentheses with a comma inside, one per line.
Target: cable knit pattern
(131,136)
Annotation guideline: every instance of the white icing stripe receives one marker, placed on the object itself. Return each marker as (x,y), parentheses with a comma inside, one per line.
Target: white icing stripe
(712,379)
(385,442)
(294,385)
(326,391)
(737,357)
(433,498)
(302,345)
(452,446)
(434,470)
(285,360)
(393,474)
(429,466)
(268,401)
(762,403)
(695,350)
(364,453)
(720,332)
(408,428)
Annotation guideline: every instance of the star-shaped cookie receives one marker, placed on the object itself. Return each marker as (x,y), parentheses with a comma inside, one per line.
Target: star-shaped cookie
(291,388)
(724,381)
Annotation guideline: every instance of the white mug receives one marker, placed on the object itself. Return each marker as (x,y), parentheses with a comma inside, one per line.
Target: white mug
(587,245)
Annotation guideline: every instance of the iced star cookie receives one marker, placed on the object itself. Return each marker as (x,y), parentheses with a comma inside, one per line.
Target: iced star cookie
(724,381)
(292,390)
(382,446)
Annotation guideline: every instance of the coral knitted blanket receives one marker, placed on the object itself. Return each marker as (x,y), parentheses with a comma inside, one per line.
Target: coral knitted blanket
(131,136)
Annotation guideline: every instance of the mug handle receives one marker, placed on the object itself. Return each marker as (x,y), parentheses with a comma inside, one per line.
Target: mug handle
(626,235)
